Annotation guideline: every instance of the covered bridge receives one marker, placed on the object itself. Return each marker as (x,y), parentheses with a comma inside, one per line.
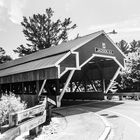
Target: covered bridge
(86,64)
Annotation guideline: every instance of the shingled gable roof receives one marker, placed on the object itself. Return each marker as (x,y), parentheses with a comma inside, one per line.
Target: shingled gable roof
(63,48)
(46,58)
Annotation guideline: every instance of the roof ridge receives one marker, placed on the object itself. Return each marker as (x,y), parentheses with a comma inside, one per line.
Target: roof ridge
(46,52)
(102,31)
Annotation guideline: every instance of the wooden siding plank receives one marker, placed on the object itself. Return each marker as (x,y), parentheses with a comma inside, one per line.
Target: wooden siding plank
(51,73)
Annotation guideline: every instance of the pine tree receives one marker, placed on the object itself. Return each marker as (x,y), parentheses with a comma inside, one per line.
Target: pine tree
(42,32)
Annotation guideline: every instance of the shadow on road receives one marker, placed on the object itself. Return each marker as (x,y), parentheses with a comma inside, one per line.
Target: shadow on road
(78,107)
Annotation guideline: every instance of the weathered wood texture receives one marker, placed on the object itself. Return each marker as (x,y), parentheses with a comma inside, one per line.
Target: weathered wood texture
(12,133)
(26,125)
(14,118)
(84,95)
(123,94)
(51,73)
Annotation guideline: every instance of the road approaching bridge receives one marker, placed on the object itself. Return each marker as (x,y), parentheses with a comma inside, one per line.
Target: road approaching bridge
(123,117)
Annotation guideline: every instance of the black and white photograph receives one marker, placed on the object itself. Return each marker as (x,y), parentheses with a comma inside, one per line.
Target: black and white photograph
(69,70)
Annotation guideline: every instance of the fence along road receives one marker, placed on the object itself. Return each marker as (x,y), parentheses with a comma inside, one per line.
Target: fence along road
(32,122)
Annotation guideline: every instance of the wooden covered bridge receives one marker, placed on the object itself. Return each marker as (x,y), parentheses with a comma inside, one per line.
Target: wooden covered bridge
(86,66)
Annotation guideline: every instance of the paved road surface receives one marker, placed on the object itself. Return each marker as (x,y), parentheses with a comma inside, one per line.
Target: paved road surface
(123,116)
(83,124)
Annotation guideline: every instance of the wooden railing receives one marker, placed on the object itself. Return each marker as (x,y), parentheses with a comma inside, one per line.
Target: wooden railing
(135,95)
(23,121)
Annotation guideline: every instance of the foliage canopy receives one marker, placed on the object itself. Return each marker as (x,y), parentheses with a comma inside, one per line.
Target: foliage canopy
(3,57)
(42,32)
(130,77)
(9,104)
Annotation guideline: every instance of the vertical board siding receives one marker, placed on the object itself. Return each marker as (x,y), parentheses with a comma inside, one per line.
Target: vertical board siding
(69,62)
(87,50)
(51,73)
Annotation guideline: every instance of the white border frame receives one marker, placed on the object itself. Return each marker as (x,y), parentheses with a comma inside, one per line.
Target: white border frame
(110,57)
(78,66)
(68,68)
(102,56)
(43,84)
(114,44)
(59,98)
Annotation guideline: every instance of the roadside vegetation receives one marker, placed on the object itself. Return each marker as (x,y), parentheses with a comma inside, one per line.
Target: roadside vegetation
(9,103)
(129,79)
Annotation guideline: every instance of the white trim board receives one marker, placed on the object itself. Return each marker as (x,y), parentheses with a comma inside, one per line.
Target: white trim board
(98,34)
(113,79)
(69,68)
(111,57)
(102,56)
(115,45)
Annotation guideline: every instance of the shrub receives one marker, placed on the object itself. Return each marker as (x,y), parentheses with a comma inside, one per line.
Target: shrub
(9,104)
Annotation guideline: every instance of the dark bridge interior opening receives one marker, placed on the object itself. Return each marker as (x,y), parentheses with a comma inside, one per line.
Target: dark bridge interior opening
(88,83)
(92,80)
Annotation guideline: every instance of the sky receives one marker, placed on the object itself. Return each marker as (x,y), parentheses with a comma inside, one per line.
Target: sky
(89,15)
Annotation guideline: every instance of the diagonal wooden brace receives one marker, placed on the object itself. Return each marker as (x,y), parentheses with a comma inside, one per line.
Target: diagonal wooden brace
(114,77)
(44,82)
(64,89)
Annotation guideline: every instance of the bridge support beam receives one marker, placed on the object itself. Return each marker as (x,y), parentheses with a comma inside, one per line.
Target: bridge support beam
(114,77)
(59,98)
(43,84)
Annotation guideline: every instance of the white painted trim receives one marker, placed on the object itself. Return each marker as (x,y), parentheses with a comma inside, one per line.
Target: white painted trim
(77,56)
(44,82)
(87,61)
(60,60)
(115,45)
(66,84)
(51,101)
(111,57)
(99,33)
(78,67)
(66,70)
(118,63)
(103,56)
(58,67)
(65,87)
(114,77)
(71,68)
(77,59)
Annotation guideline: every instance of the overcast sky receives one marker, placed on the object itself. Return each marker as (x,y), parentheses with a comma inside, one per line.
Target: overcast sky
(89,15)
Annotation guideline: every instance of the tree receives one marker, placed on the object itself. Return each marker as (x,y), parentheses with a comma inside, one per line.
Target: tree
(130,77)
(42,32)
(10,103)
(134,46)
(123,45)
(3,57)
